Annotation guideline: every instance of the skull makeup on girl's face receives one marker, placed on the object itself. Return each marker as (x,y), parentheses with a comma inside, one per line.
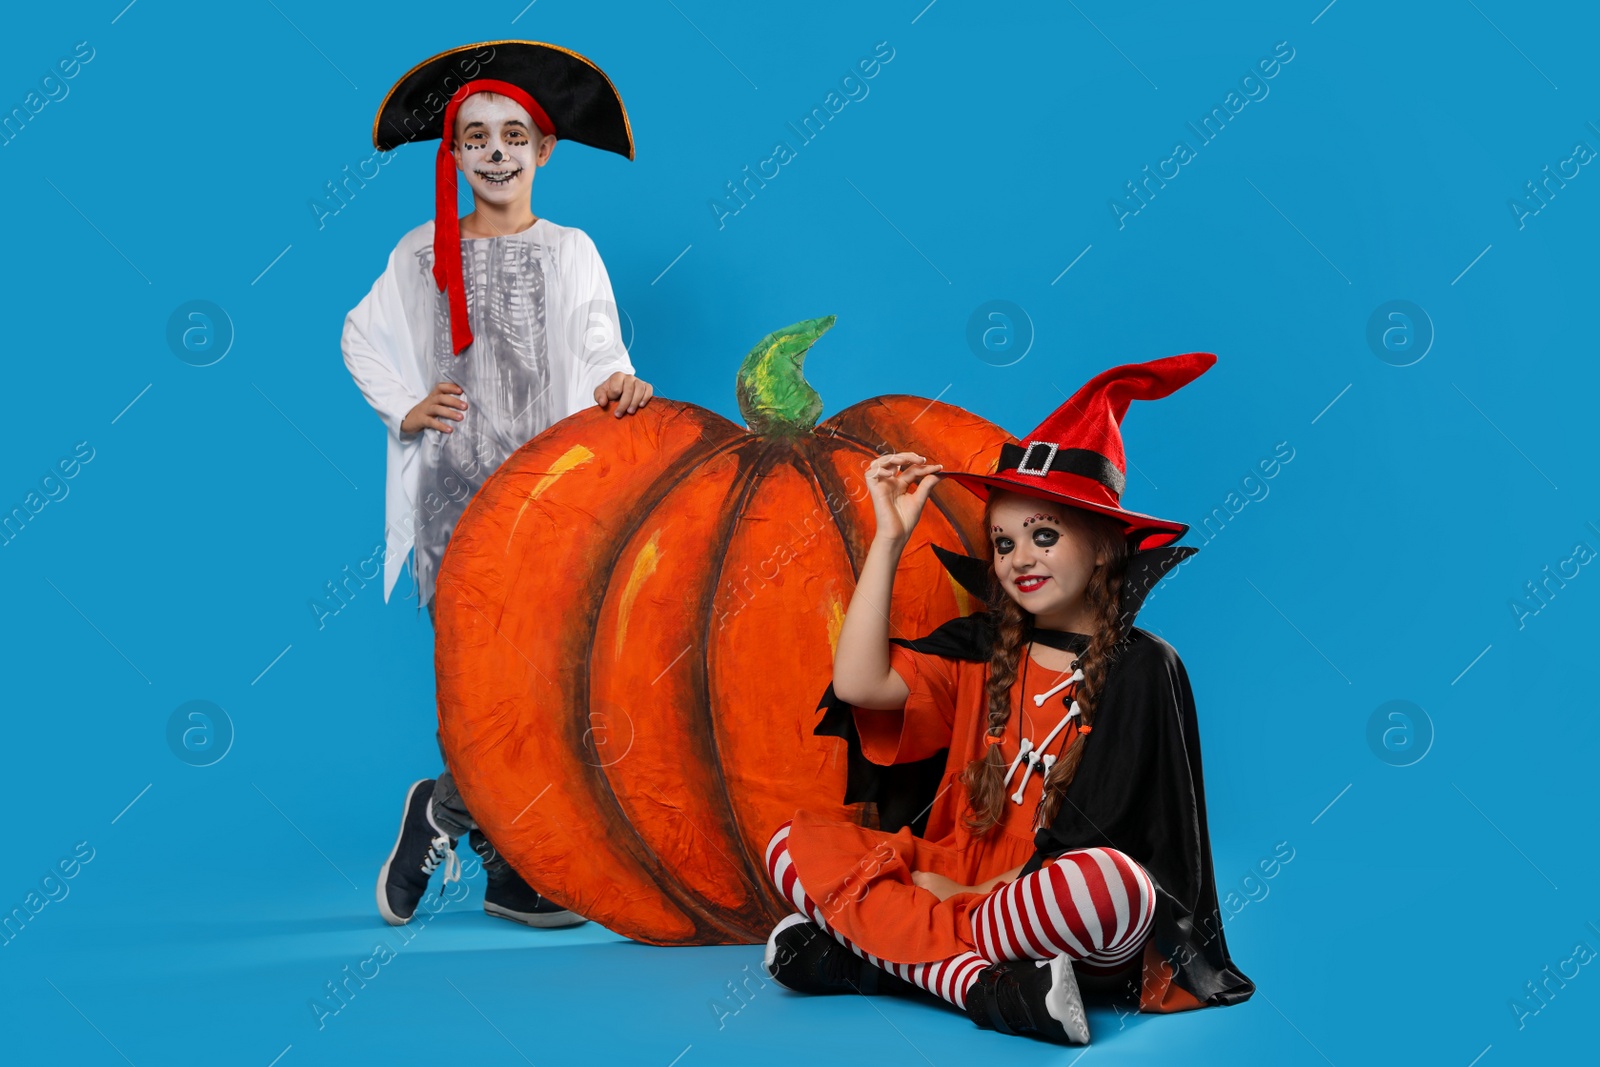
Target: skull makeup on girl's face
(1042,559)
(497,147)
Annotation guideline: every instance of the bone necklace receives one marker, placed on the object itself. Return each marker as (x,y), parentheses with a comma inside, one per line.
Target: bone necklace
(1032,756)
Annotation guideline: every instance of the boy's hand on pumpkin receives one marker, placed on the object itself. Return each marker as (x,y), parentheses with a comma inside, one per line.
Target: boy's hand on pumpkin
(938,884)
(895,503)
(630,393)
(446,401)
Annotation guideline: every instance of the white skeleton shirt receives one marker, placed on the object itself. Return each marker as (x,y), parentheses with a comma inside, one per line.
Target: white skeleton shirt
(545,334)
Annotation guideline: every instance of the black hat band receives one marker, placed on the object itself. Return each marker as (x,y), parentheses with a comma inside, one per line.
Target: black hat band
(1045,457)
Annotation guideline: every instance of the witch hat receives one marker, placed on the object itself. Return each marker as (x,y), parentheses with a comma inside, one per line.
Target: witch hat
(564,93)
(1075,456)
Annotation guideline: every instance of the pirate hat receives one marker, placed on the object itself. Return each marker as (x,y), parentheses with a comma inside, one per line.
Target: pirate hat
(1075,456)
(574,94)
(564,93)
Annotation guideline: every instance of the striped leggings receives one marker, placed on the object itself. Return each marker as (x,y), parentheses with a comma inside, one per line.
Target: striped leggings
(1094,905)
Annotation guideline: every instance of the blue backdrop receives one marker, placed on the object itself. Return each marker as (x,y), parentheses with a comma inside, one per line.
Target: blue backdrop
(1381,219)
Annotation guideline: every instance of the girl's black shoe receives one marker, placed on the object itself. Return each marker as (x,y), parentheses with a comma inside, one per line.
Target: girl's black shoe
(803,957)
(1038,998)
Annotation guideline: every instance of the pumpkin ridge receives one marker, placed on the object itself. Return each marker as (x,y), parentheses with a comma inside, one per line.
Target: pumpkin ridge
(951,518)
(740,488)
(826,478)
(762,463)
(600,784)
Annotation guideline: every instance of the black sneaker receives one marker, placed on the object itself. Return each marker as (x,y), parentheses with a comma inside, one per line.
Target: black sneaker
(1038,998)
(507,896)
(802,956)
(418,851)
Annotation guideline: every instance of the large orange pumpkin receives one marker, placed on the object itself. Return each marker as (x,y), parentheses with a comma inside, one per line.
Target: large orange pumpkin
(637,617)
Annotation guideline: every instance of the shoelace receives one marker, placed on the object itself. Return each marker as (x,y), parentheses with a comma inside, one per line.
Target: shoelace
(439,851)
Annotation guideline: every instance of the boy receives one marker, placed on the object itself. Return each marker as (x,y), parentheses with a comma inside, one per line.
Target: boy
(480,333)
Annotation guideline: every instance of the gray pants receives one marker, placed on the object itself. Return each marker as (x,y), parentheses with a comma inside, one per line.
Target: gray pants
(451,813)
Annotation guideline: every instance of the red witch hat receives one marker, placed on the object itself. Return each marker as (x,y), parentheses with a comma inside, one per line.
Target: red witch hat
(1075,456)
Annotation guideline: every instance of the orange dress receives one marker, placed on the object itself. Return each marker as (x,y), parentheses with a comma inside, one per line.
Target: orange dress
(861,878)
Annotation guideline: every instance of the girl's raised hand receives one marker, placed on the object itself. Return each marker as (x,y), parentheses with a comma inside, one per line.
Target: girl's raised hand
(896,504)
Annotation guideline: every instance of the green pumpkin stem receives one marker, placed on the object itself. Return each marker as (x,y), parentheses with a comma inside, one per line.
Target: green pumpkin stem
(774,396)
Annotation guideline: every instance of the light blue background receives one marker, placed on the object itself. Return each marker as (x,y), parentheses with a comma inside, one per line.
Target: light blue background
(1380,565)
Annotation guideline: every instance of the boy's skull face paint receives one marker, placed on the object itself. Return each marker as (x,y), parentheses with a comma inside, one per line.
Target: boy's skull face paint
(496,147)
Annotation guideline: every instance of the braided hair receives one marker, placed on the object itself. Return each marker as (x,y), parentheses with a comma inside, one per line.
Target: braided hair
(984,777)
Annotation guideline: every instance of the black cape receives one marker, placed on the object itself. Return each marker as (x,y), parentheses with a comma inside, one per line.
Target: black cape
(1138,789)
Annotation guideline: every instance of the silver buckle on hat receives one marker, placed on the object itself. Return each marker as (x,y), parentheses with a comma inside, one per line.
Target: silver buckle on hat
(1027,450)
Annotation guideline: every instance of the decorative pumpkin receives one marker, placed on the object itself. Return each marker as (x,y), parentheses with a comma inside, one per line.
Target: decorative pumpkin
(637,617)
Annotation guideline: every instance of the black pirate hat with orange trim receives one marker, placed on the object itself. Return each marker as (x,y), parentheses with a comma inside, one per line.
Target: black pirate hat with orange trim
(579,99)
(1075,456)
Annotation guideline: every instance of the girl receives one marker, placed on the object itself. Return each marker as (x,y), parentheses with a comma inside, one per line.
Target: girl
(1067,836)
